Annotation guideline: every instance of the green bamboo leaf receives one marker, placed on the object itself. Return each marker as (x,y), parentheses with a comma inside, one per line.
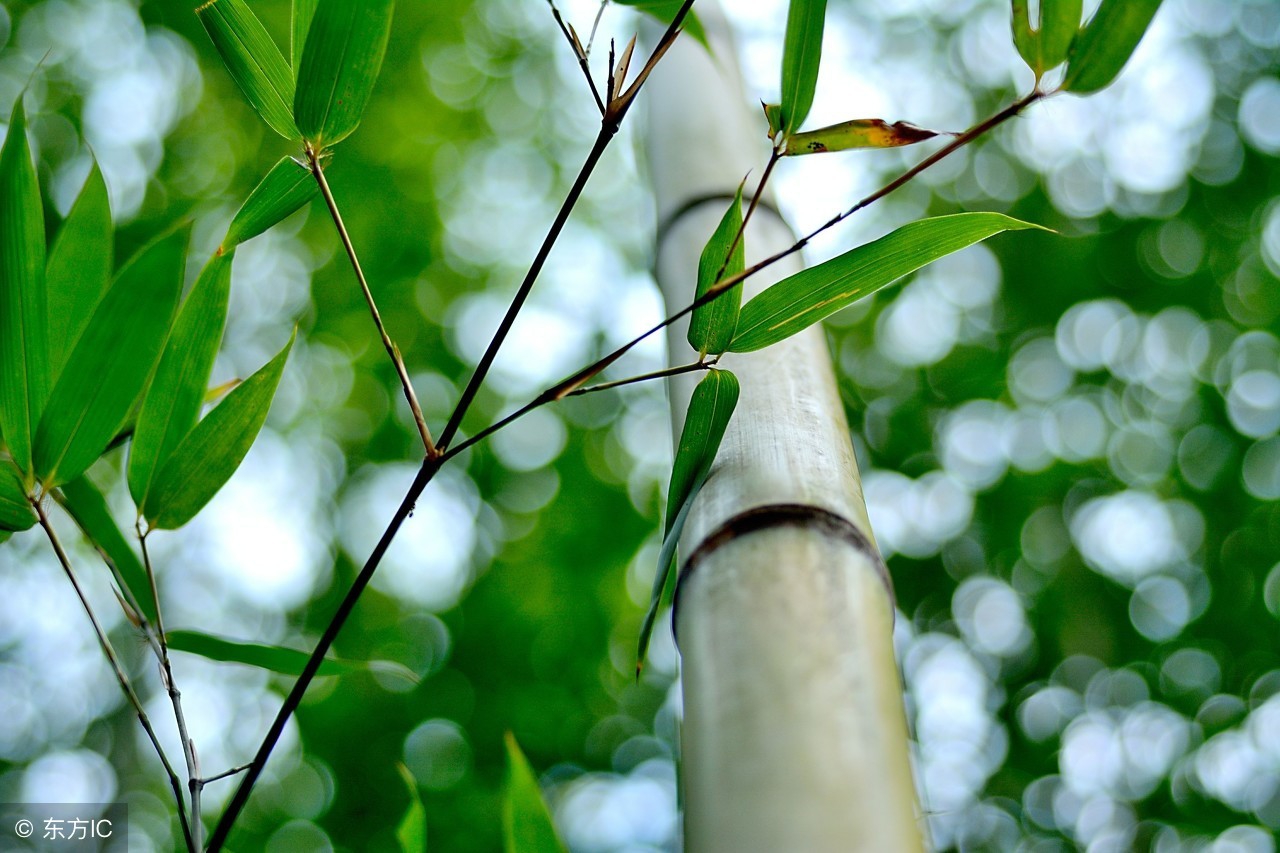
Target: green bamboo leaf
(712,325)
(526,823)
(5,536)
(340,64)
(1026,39)
(1103,47)
(24,343)
(710,409)
(857,133)
(211,453)
(109,367)
(665,12)
(173,401)
(16,512)
(253,60)
(79,268)
(1059,23)
(303,12)
(279,659)
(411,833)
(800,300)
(801,56)
(84,502)
(1046,46)
(286,188)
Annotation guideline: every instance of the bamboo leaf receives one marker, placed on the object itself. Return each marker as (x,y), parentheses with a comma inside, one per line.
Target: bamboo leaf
(303,12)
(712,325)
(79,268)
(24,344)
(286,188)
(1059,23)
(279,659)
(710,409)
(16,512)
(665,11)
(857,133)
(411,832)
(1045,47)
(526,823)
(84,502)
(1102,48)
(340,64)
(253,60)
(801,56)
(172,403)
(211,453)
(799,301)
(109,367)
(1025,39)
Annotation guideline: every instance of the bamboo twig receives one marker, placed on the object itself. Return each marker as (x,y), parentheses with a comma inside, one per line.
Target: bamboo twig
(254,769)
(117,668)
(313,161)
(161,646)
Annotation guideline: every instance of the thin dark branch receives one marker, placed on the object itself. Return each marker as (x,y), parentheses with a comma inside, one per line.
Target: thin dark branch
(615,111)
(220,832)
(118,669)
(194,785)
(606,134)
(571,387)
(579,51)
(313,161)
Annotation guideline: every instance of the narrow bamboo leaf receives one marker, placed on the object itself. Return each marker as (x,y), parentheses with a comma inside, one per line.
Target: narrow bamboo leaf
(24,344)
(857,133)
(1026,39)
(253,60)
(109,367)
(303,12)
(211,453)
(411,832)
(1103,47)
(665,11)
(279,659)
(340,64)
(1045,47)
(79,268)
(710,409)
(1059,23)
(85,503)
(16,512)
(172,403)
(526,823)
(286,188)
(712,325)
(5,536)
(801,55)
(799,301)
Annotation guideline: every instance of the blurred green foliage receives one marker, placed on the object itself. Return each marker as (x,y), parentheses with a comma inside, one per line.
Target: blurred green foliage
(1069,442)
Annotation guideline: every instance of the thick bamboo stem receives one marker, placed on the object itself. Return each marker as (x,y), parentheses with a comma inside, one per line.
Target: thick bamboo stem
(794,732)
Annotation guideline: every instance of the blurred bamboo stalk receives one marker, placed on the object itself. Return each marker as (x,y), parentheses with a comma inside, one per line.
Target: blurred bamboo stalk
(794,734)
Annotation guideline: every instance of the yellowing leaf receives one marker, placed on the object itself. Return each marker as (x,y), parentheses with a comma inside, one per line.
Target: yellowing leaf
(857,133)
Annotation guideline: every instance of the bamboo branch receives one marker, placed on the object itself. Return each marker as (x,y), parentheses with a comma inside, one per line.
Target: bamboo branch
(615,111)
(161,645)
(313,160)
(220,832)
(121,677)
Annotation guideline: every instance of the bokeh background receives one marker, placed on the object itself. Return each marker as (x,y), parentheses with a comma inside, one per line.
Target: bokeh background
(1069,443)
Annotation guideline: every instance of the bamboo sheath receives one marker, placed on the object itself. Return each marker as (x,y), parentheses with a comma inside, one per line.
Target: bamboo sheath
(794,735)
